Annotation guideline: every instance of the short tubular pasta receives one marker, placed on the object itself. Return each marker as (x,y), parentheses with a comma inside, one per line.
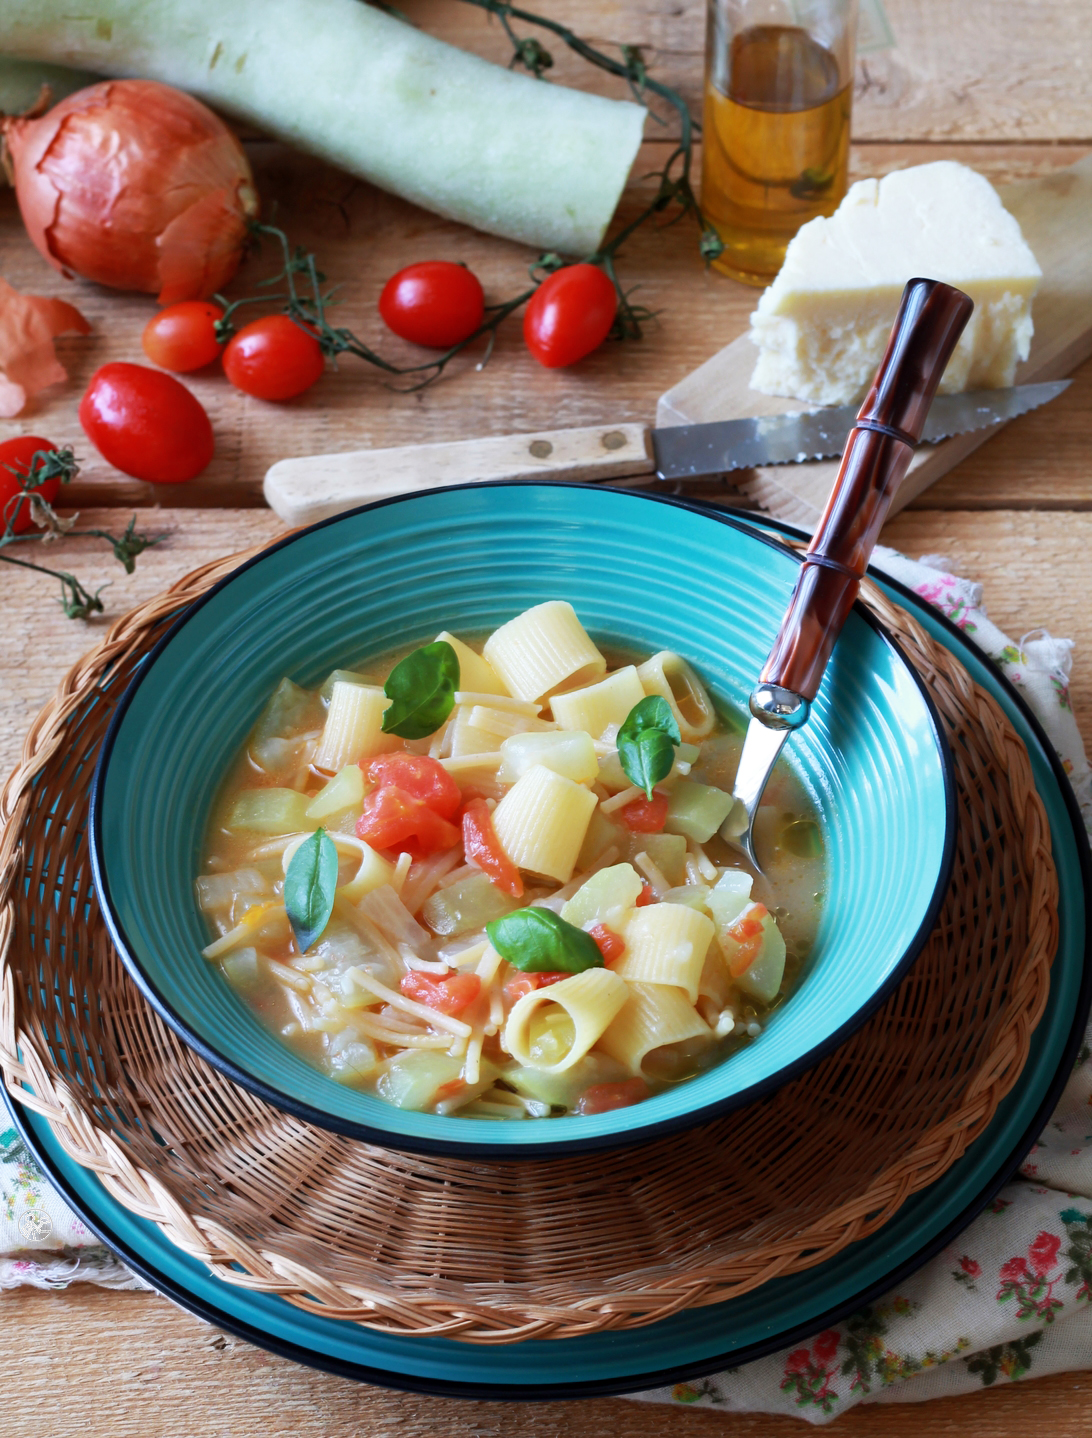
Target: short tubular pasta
(590,1000)
(541,822)
(654,1016)
(666,944)
(673,679)
(597,706)
(475,673)
(542,649)
(354,726)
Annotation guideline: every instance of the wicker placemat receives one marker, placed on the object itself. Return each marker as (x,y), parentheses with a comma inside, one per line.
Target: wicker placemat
(494,1253)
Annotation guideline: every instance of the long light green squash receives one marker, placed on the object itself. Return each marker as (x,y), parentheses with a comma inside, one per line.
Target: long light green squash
(21,83)
(504,152)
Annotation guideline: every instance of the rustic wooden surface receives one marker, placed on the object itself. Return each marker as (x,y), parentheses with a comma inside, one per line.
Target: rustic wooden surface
(1001,86)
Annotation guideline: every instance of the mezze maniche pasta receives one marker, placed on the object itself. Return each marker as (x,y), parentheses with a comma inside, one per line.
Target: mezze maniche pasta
(519,919)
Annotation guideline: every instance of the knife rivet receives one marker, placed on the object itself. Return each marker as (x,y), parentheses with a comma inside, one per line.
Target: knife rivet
(614,439)
(541,448)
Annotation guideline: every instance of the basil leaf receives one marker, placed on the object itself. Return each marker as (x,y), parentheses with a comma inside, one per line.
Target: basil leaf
(422,690)
(538,941)
(646,742)
(309,887)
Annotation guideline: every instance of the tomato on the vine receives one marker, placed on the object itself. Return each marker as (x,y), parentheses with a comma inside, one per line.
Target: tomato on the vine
(436,303)
(273,358)
(183,337)
(16,458)
(146,424)
(569,315)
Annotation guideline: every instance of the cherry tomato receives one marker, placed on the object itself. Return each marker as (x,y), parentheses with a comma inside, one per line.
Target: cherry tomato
(483,848)
(603,1097)
(426,779)
(392,818)
(436,304)
(611,945)
(747,934)
(183,337)
(449,995)
(18,455)
(569,315)
(146,424)
(646,816)
(273,358)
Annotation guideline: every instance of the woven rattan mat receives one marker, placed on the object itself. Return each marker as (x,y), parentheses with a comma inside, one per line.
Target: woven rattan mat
(493,1253)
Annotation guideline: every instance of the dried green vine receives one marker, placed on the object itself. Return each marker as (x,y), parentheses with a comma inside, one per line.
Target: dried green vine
(77,601)
(301,295)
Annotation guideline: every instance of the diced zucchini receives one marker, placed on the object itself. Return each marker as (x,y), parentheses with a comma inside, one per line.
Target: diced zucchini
(667,852)
(241,968)
(567,752)
(269,811)
(728,899)
(219,891)
(694,896)
(344,791)
(763,978)
(412,1077)
(289,708)
(697,810)
(611,774)
(606,898)
(563,1089)
(343,676)
(601,833)
(466,905)
(353,1061)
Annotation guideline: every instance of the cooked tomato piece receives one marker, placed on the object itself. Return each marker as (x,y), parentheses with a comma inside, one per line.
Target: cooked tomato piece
(520,984)
(611,945)
(449,995)
(747,933)
(603,1097)
(484,848)
(646,816)
(646,896)
(394,819)
(426,779)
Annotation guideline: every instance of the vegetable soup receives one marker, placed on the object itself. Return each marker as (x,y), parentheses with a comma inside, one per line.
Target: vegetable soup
(505,884)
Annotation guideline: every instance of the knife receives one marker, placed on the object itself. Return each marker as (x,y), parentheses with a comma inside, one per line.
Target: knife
(303,491)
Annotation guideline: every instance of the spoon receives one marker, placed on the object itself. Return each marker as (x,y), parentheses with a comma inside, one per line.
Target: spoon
(878,452)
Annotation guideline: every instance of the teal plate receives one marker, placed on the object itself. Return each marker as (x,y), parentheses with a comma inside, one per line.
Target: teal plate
(641,570)
(702,1340)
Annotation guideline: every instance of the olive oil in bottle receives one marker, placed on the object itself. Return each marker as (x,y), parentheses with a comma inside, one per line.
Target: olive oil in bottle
(775,143)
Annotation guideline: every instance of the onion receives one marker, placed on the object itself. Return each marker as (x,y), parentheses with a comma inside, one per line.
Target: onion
(134,185)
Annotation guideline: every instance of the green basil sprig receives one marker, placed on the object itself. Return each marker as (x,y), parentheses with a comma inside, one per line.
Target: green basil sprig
(538,941)
(422,690)
(647,742)
(309,887)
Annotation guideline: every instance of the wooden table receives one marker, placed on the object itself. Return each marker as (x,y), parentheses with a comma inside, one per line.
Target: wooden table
(1003,87)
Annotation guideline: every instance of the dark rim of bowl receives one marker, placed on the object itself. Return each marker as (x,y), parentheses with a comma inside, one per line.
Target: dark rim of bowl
(454,1147)
(635,1382)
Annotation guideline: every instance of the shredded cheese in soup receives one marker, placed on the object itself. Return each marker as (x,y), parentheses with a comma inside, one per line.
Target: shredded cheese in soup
(501,882)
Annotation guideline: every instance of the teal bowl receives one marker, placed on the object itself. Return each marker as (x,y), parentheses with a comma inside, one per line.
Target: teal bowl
(648,572)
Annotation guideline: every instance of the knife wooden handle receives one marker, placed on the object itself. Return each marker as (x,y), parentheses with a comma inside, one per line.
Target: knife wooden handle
(305,490)
(877,455)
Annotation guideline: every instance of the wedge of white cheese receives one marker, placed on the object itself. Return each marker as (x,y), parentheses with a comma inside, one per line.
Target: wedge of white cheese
(822,326)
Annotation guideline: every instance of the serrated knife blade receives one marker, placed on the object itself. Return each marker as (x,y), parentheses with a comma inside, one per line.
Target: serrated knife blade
(689,451)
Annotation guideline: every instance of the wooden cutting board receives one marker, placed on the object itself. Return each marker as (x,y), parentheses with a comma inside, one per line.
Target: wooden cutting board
(1055,214)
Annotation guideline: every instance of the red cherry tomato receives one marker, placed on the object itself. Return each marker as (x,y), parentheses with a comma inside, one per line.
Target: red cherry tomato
(646,816)
(482,847)
(436,304)
(146,424)
(449,995)
(611,945)
(603,1097)
(273,358)
(16,458)
(570,314)
(183,337)
(392,818)
(426,779)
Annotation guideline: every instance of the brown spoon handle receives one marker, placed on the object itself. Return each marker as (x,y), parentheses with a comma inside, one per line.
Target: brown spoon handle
(878,452)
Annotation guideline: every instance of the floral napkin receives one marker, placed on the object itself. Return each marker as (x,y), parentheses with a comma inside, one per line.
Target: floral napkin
(1011,1298)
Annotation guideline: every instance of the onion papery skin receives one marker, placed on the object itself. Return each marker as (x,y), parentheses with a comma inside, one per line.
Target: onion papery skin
(137,186)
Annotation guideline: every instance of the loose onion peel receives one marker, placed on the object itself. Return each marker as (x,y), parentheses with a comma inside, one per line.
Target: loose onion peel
(135,185)
(28,324)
